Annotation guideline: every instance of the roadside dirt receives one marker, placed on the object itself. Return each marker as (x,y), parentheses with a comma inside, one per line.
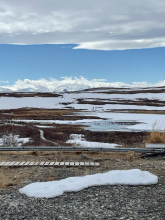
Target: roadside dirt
(15,177)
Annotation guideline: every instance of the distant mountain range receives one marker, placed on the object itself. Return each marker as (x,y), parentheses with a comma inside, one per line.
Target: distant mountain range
(68,84)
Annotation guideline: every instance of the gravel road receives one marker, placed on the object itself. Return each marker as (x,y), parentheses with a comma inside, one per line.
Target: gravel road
(94,203)
(103,202)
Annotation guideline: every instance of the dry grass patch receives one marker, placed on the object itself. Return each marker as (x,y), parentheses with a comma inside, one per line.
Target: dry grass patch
(11,176)
(124,156)
(19,176)
(51,176)
(5,179)
(156,136)
(39,113)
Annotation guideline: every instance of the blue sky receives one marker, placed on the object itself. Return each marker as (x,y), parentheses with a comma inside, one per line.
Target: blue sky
(119,41)
(56,61)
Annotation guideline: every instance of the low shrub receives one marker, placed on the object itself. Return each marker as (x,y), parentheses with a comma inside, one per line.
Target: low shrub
(10,140)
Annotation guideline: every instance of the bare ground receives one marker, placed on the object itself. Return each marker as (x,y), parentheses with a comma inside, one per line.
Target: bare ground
(14,177)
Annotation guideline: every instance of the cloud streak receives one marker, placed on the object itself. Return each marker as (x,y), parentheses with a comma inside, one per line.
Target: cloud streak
(101,25)
(69,84)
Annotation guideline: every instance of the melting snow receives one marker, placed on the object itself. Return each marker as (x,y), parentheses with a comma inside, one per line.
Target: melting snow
(79,139)
(114,177)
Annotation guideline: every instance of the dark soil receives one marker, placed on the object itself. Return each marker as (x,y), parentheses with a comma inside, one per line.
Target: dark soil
(139,102)
(29,94)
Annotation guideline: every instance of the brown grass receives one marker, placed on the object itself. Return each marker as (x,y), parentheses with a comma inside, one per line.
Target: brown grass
(156,135)
(16,177)
(59,156)
(19,176)
(12,176)
(36,113)
(5,180)
(51,176)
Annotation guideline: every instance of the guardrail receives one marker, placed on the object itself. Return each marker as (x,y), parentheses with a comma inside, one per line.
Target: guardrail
(64,148)
(155,146)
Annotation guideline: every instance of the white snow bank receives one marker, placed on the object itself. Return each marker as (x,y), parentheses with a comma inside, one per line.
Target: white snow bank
(79,140)
(114,177)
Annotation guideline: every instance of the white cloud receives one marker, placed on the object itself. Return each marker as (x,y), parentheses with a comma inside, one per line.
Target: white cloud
(70,84)
(2,81)
(103,25)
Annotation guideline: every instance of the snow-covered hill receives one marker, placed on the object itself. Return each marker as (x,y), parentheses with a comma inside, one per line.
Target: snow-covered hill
(70,84)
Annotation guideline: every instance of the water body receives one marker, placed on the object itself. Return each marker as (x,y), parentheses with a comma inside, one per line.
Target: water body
(110,125)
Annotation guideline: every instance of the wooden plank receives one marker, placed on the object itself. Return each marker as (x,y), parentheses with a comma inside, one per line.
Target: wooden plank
(6,163)
(91,163)
(86,163)
(77,163)
(97,164)
(22,163)
(11,163)
(1,164)
(71,163)
(36,163)
(51,163)
(16,163)
(31,163)
(27,163)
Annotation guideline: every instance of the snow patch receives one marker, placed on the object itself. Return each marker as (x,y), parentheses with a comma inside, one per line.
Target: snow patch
(52,189)
(79,140)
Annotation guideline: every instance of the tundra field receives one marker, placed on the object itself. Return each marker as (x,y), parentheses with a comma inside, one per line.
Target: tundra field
(102,117)
(107,115)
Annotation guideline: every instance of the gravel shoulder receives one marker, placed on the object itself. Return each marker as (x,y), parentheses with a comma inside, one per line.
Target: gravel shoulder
(104,202)
(100,202)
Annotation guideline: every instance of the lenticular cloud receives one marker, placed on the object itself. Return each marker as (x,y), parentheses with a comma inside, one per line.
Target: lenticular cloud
(69,84)
(114,177)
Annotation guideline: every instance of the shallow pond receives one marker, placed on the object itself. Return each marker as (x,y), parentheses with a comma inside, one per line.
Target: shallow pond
(110,125)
